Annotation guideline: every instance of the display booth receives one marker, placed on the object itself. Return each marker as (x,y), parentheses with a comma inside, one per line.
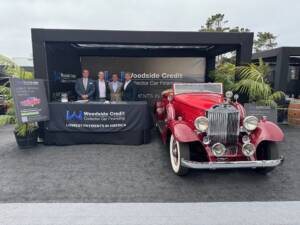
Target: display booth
(155,59)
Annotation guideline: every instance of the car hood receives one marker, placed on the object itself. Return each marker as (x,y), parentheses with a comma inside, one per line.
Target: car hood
(203,101)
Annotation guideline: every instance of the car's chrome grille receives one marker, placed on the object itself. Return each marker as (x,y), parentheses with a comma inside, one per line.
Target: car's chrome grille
(223,125)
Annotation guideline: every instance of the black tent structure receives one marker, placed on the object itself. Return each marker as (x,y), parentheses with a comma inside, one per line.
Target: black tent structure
(285,64)
(62,50)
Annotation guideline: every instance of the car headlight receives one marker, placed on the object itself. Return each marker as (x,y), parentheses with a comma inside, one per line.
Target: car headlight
(201,123)
(246,139)
(250,123)
(248,149)
(228,94)
(218,149)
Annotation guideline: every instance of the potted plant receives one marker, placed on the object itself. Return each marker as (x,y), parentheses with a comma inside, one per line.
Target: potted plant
(25,133)
(253,81)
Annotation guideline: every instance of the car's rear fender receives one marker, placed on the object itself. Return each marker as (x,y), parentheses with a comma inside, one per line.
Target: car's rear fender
(182,132)
(267,131)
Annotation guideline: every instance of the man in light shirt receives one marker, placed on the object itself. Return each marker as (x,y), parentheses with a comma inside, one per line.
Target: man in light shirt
(84,87)
(115,87)
(102,92)
(129,88)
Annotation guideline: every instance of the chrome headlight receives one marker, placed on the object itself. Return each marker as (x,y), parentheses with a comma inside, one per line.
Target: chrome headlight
(228,94)
(248,149)
(218,149)
(206,140)
(246,139)
(250,123)
(201,123)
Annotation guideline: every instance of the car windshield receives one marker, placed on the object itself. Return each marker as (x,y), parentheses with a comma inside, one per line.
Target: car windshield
(181,88)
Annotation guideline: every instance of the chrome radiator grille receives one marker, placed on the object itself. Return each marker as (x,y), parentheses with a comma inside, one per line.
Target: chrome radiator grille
(224,125)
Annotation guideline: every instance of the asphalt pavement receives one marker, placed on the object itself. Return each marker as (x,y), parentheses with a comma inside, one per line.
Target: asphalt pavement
(108,173)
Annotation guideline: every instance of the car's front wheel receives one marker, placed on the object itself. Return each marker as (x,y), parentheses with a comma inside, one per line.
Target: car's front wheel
(178,151)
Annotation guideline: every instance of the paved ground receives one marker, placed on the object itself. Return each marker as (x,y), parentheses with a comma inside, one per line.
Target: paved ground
(106,173)
(233,213)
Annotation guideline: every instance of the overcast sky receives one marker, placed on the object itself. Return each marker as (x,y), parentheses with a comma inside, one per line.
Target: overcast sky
(18,16)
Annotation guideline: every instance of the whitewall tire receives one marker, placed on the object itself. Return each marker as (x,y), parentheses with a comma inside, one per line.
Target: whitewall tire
(178,151)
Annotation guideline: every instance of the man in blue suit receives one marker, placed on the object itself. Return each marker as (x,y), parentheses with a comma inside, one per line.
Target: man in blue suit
(85,86)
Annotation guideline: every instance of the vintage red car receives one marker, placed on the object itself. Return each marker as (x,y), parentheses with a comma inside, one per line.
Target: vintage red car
(31,101)
(207,130)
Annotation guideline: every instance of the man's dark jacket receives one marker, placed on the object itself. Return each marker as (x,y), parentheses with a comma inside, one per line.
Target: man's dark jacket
(80,90)
(97,90)
(130,93)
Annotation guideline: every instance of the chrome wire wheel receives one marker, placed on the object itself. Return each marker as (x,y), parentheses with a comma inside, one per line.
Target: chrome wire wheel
(178,151)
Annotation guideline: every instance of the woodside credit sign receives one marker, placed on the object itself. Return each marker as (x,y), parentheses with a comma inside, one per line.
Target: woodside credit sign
(152,75)
(30,100)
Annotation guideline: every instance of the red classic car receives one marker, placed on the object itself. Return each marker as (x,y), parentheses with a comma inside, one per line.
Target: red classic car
(205,130)
(31,101)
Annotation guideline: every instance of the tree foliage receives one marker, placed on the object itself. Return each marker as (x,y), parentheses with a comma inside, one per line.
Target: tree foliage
(215,23)
(264,41)
(218,23)
(225,74)
(12,69)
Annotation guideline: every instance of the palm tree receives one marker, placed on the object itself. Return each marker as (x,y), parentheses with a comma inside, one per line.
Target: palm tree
(253,82)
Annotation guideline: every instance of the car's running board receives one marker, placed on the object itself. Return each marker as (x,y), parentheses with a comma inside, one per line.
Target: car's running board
(231,164)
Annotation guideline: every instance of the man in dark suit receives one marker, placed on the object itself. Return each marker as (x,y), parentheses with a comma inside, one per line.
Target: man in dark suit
(84,86)
(129,88)
(102,92)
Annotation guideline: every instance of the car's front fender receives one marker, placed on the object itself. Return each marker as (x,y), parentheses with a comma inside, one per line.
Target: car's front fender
(267,131)
(182,132)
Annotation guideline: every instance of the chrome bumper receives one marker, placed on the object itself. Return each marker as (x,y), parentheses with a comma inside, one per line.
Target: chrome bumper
(232,164)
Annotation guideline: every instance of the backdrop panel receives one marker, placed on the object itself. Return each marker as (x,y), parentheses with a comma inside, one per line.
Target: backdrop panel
(151,74)
(63,65)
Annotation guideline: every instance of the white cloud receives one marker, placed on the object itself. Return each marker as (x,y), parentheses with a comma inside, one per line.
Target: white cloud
(17,17)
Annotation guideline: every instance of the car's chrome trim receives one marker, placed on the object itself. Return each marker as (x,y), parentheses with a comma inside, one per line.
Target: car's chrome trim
(231,164)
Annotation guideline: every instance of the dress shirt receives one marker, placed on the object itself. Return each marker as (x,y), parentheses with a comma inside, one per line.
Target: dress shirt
(126,83)
(114,85)
(85,82)
(102,88)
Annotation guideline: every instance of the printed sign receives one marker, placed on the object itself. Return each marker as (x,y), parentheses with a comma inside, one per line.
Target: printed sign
(95,120)
(98,117)
(152,75)
(30,100)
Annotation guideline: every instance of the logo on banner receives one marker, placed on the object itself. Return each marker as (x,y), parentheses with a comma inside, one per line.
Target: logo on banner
(74,115)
